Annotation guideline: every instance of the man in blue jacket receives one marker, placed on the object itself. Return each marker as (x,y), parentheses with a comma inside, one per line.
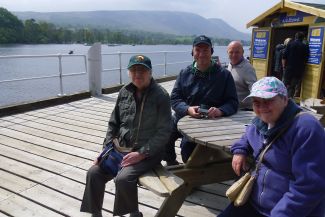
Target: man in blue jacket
(202,89)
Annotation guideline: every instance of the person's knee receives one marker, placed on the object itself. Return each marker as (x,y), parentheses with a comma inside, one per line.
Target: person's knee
(93,172)
(121,180)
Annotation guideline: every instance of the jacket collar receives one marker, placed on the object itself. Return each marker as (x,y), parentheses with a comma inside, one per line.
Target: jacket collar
(240,64)
(206,73)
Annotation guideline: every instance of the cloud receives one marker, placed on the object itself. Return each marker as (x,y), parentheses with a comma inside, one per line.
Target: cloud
(237,13)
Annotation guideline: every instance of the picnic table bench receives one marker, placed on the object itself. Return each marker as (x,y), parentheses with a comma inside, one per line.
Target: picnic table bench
(161,181)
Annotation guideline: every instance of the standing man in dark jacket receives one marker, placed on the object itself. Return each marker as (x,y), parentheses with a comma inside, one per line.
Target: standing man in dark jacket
(202,85)
(139,126)
(278,54)
(277,59)
(294,61)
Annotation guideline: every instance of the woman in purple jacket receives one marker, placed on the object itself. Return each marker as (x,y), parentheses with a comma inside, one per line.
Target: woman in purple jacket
(291,180)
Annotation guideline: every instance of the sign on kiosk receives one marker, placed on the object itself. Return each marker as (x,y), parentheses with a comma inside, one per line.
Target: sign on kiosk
(316,36)
(261,41)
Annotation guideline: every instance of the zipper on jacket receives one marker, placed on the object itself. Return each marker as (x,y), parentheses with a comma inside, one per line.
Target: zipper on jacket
(263,186)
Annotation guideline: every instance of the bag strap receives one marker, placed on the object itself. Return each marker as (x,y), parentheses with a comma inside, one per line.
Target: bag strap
(140,117)
(275,138)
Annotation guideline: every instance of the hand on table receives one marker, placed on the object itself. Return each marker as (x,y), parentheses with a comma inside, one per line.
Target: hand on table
(193,111)
(214,112)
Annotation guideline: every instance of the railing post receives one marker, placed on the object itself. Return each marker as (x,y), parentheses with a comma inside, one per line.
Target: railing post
(61,76)
(165,62)
(95,69)
(120,64)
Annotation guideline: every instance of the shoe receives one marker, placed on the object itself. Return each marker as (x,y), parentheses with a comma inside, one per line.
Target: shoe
(172,163)
(136,214)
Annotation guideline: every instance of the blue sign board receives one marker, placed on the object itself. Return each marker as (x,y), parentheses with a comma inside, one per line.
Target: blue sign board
(260,44)
(298,16)
(316,36)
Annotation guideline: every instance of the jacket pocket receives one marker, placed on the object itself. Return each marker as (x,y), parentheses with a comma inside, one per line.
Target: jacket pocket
(274,186)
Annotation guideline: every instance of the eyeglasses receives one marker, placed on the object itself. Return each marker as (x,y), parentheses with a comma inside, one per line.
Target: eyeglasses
(263,102)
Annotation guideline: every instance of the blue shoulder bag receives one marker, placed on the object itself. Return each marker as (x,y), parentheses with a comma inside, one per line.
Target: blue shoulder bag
(110,159)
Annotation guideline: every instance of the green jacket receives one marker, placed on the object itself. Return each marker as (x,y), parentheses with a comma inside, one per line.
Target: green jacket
(155,125)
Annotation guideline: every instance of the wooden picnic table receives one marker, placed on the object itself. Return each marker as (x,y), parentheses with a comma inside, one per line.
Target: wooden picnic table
(210,162)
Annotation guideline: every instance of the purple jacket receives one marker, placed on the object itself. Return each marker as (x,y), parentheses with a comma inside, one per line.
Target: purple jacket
(291,180)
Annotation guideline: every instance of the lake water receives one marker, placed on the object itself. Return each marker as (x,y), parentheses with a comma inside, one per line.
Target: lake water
(30,90)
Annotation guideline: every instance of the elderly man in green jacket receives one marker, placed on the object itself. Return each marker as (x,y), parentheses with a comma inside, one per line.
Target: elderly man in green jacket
(139,127)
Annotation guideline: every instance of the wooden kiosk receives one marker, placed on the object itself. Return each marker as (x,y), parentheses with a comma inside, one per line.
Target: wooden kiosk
(281,21)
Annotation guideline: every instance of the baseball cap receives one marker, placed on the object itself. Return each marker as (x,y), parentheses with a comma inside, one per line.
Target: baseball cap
(140,60)
(202,39)
(267,87)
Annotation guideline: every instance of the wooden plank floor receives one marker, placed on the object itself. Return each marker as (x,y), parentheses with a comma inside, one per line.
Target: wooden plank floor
(45,154)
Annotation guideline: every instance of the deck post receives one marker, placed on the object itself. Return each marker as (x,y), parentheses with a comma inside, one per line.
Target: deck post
(95,69)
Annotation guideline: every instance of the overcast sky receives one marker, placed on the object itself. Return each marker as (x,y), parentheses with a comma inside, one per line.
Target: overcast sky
(237,13)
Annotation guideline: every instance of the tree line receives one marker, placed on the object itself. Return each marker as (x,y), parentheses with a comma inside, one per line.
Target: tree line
(30,31)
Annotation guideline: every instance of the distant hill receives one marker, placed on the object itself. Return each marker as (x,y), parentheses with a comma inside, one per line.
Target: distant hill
(178,23)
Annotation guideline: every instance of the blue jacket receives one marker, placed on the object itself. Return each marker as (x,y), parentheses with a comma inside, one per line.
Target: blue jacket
(214,88)
(291,180)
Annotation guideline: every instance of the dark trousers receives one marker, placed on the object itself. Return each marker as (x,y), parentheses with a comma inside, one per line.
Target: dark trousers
(170,154)
(278,74)
(93,197)
(292,83)
(186,149)
(247,210)
(126,193)
(186,146)
(293,86)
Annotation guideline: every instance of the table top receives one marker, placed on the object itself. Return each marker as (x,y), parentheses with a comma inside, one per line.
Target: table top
(218,133)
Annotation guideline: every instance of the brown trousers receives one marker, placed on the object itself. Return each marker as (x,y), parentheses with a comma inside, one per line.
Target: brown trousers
(126,194)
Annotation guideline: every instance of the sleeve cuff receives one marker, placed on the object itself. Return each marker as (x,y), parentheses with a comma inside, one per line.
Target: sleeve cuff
(144,150)
(239,151)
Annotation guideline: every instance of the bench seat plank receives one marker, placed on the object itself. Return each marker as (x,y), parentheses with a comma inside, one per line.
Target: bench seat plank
(170,181)
(160,181)
(153,183)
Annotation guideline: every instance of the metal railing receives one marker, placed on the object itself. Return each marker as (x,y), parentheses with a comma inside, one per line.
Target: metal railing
(164,59)
(164,64)
(60,69)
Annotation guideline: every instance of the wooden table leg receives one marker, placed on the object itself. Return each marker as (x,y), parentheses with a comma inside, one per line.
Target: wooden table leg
(205,166)
(173,203)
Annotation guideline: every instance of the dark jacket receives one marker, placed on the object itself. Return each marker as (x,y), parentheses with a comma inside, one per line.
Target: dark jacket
(215,88)
(296,55)
(291,180)
(278,57)
(155,125)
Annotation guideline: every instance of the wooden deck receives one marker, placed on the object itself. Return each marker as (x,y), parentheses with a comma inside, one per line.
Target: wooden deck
(45,154)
